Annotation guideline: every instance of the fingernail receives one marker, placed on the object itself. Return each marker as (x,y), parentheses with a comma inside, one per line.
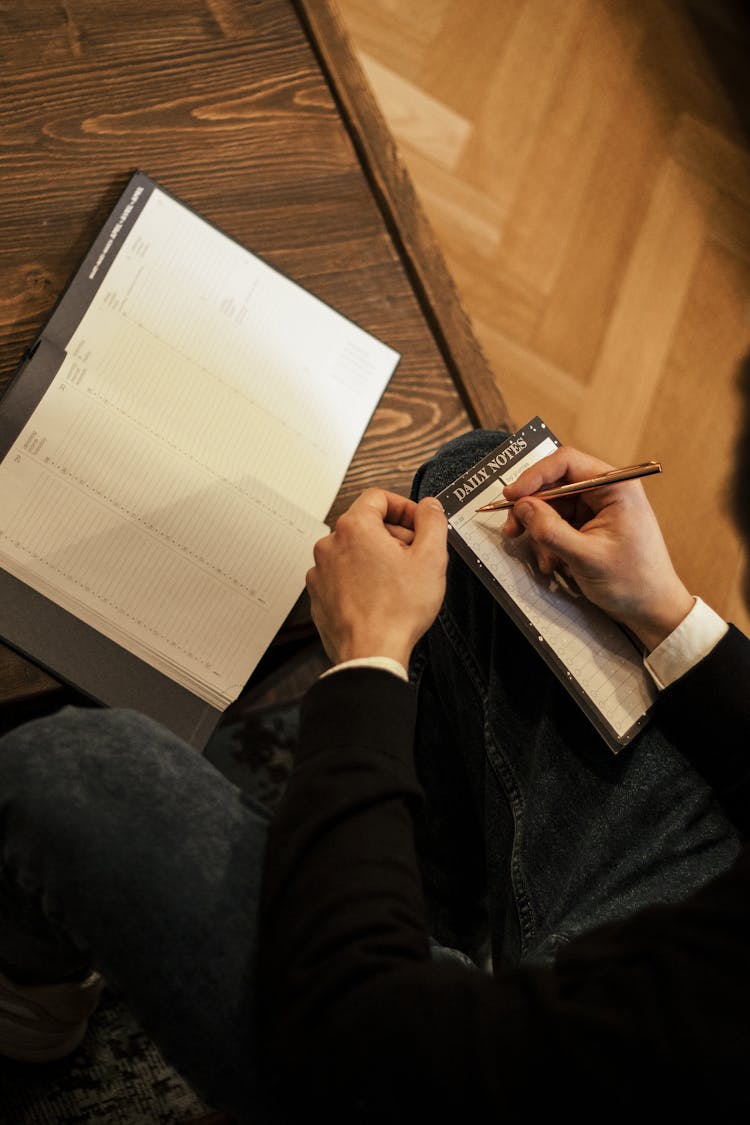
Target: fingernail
(433,502)
(522,511)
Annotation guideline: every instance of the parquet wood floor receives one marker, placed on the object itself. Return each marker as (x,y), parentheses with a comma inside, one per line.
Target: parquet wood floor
(585,166)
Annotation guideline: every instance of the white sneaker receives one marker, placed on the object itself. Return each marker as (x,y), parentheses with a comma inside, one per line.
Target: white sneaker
(43,1022)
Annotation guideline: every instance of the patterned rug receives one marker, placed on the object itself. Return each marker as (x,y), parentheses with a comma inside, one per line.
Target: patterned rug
(118,1076)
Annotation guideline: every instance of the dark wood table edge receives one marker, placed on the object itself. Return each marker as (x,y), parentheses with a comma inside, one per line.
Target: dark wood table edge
(403,215)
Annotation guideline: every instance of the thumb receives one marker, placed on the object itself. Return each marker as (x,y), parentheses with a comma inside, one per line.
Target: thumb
(430,526)
(548,529)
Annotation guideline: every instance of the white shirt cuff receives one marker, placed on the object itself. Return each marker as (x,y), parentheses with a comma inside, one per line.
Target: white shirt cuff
(693,639)
(385,663)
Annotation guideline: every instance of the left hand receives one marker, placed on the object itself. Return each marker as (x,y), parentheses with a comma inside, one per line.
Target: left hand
(379,578)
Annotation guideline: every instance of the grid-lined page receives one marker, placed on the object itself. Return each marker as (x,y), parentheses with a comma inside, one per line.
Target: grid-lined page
(171,482)
(194,338)
(188,571)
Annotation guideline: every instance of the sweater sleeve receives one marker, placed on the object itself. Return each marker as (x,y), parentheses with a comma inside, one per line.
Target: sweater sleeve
(706,713)
(360,1025)
(358,1021)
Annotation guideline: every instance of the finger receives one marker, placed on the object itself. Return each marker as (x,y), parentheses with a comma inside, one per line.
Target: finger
(553,537)
(512,527)
(320,548)
(430,528)
(565,464)
(389,506)
(403,534)
(547,561)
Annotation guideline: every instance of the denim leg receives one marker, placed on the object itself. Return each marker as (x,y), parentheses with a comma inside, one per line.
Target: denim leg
(539,821)
(124,849)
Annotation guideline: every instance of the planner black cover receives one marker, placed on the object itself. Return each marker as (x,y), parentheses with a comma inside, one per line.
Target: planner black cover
(169,450)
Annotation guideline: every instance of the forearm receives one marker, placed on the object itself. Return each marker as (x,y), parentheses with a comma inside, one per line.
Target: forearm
(342,899)
(357,1020)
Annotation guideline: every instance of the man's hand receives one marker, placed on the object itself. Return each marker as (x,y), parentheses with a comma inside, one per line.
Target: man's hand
(379,578)
(608,540)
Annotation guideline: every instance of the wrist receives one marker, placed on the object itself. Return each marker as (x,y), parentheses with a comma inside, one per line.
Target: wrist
(382,663)
(692,640)
(374,646)
(658,623)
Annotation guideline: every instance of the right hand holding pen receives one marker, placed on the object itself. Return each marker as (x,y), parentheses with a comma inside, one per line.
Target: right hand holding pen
(607,540)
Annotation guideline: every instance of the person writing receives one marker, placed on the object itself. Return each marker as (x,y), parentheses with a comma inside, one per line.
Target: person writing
(615,890)
(464,903)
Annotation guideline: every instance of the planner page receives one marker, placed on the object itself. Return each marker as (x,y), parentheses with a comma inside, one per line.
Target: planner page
(197,340)
(592,652)
(171,482)
(191,572)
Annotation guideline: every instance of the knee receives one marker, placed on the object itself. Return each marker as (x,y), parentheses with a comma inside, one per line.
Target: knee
(453,459)
(106,792)
(78,759)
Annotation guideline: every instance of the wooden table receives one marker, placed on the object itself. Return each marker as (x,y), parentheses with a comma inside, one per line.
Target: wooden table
(256,113)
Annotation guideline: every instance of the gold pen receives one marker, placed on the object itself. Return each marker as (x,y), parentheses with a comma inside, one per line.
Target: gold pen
(645,469)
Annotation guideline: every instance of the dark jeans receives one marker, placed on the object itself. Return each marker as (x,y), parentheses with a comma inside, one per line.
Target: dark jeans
(125,849)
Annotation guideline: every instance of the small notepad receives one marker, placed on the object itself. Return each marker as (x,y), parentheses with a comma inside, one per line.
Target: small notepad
(595,659)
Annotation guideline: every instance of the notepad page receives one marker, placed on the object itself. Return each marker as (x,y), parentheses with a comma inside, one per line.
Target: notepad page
(195,339)
(191,572)
(596,652)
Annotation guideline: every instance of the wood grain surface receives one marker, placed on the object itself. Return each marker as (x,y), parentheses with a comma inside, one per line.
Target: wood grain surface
(230,106)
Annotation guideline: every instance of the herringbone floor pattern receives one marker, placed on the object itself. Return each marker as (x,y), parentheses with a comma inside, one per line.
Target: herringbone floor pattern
(586,169)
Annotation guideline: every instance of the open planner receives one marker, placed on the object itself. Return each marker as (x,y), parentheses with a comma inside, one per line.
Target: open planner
(170,448)
(596,660)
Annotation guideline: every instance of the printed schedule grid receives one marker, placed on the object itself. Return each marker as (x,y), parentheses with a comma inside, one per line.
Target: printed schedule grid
(127,557)
(185,316)
(169,483)
(591,654)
